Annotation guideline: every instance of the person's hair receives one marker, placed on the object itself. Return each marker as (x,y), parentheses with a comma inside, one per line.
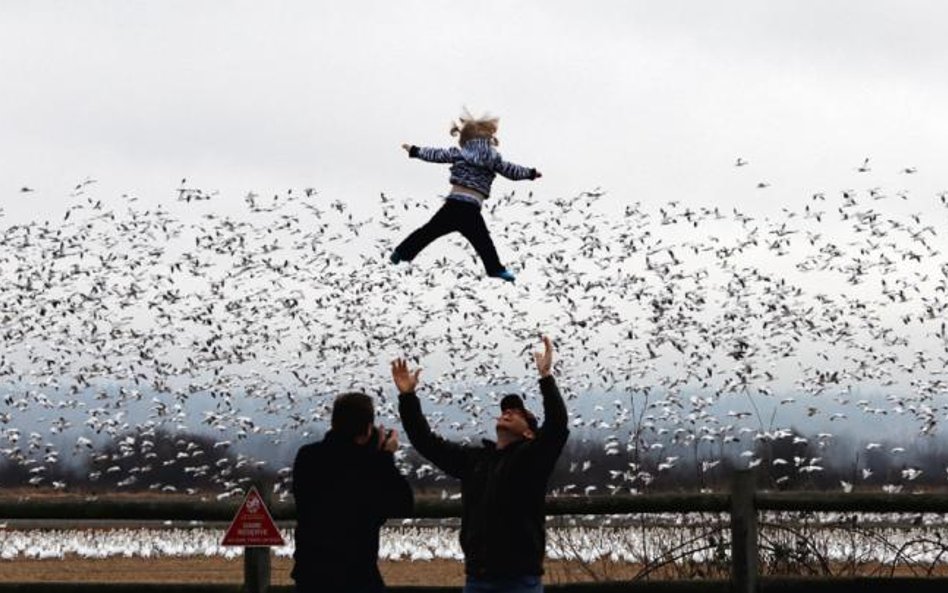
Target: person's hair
(351,414)
(469,127)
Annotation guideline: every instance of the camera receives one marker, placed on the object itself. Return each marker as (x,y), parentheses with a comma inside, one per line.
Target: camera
(374,439)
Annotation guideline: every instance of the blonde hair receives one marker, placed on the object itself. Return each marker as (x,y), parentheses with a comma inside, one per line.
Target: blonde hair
(468,127)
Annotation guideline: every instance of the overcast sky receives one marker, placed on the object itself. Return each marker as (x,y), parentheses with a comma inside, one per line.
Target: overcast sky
(650,101)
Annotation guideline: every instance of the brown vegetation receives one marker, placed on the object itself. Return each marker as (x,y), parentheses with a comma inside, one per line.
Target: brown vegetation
(221,570)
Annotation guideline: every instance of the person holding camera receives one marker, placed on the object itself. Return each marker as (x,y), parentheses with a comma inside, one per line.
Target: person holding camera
(503,483)
(345,487)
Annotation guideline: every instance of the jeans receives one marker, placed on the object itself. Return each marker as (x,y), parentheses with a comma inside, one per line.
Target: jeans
(454,215)
(524,584)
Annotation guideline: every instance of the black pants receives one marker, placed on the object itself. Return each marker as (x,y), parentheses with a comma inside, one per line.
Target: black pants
(460,216)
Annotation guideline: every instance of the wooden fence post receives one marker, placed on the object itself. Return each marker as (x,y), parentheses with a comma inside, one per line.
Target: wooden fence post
(256,569)
(743,533)
(257,558)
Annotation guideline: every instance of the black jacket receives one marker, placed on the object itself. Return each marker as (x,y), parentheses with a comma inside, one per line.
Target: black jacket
(502,490)
(344,493)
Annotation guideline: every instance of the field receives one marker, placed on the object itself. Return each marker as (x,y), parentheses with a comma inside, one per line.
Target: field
(583,548)
(221,570)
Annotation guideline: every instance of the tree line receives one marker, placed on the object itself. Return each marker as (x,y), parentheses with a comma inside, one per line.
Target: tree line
(161,461)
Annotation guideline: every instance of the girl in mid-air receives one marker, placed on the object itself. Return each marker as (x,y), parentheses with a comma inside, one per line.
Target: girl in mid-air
(473,167)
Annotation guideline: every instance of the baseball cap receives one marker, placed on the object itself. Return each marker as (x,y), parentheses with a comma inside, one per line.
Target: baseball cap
(515,402)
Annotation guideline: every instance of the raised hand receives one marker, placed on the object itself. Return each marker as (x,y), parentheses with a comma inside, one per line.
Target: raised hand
(406,381)
(545,360)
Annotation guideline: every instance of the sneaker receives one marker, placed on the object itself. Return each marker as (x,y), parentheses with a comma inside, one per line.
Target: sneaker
(505,275)
(395,258)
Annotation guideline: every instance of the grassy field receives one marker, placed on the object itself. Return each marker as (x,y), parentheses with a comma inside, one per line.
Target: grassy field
(217,569)
(220,570)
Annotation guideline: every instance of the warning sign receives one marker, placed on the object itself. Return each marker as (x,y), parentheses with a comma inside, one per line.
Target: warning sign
(253,525)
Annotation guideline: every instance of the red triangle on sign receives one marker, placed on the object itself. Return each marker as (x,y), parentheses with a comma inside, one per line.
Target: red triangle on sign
(253,525)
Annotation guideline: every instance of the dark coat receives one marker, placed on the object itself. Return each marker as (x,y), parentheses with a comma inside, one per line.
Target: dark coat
(344,493)
(503,491)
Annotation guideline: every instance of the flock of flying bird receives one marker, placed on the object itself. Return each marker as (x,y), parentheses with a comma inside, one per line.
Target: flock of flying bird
(677,328)
(610,541)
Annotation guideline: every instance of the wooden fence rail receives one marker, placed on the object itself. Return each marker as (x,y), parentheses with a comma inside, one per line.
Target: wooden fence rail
(743,504)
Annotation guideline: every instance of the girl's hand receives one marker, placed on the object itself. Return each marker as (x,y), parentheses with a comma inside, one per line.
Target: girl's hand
(407,147)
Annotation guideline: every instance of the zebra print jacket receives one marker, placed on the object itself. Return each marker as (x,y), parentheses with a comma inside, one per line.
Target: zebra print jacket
(474,165)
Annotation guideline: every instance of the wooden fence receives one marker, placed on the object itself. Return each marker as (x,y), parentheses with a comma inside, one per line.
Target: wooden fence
(743,504)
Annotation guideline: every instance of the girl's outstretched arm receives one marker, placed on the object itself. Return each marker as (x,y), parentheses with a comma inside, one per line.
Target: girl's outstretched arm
(433,155)
(515,172)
